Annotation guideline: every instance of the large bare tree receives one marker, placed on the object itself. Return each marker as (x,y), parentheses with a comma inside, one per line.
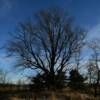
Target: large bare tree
(47,44)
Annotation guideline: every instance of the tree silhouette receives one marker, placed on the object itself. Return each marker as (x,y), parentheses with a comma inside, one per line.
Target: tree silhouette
(76,80)
(44,81)
(3,76)
(46,45)
(95,60)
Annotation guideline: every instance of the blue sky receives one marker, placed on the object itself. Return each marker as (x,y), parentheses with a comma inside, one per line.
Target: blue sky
(86,13)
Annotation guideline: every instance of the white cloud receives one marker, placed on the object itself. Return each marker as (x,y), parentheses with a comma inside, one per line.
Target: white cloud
(94,32)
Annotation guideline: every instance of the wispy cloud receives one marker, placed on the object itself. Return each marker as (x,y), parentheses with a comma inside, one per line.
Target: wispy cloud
(5,58)
(94,32)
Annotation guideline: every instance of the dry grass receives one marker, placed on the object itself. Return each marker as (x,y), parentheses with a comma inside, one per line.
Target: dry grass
(79,96)
(76,96)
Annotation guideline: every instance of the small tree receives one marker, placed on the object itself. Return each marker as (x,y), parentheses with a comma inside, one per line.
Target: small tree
(3,76)
(76,80)
(92,71)
(95,60)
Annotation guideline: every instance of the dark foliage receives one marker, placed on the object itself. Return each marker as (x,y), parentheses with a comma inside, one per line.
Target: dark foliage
(76,80)
(44,81)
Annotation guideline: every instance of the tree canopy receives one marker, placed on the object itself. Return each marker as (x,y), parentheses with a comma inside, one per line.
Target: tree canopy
(47,44)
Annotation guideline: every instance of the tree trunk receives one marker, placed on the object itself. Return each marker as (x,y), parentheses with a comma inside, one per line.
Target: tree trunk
(53,97)
(95,91)
(97,84)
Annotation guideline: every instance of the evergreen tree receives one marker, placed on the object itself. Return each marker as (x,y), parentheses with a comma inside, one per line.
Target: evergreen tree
(76,80)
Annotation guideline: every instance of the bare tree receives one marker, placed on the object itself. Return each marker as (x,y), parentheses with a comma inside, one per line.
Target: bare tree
(47,44)
(91,73)
(3,76)
(78,60)
(94,67)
